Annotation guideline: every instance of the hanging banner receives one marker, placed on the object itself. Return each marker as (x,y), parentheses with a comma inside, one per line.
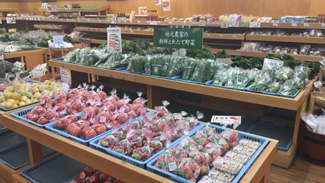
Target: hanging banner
(114,39)
(157,2)
(191,38)
(166,5)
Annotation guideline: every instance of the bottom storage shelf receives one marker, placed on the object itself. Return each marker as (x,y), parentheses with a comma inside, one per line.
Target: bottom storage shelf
(17,178)
(7,174)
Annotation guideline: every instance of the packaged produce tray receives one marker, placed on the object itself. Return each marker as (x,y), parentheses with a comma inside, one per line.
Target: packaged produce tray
(55,169)
(52,127)
(129,159)
(10,109)
(23,113)
(10,139)
(239,176)
(247,122)
(18,156)
(274,94)
(209,83)
(275,130)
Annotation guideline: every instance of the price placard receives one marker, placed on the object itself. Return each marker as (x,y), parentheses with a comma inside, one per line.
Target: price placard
(2,57)
(254,24)
(65,75)
(275,24)
(306,24)
(201,23)
(226,120)
(271,64)
(294,24)
(114,39)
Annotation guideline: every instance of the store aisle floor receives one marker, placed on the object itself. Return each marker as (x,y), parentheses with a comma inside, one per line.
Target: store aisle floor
(300,172)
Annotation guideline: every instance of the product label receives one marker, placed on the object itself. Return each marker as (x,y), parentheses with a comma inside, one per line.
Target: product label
(114,39)
(65,75)
(306,24)
(275,24)
(230,154)
(238,148)
(102,119)
(271,64)
(226,120)
(55,108)
(172,166)
(42,101)
(214,172)
(224,25)
(219,161)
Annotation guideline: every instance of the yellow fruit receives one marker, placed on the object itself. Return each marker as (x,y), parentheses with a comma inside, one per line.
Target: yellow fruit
(28,101)
(11,101)
(15,96)
(7,105)
(47,82)
(17,84)
(58,89)
(10,89)
(24,98)
(21,103)
(35,100)
(14,105)
(37,95)
(2,98)
(7,94)
(23,87)
(16,102)
(54,84)
(35,85)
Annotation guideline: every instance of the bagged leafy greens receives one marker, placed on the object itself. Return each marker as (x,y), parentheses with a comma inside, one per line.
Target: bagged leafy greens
(301,74)
(284,73)
(137,63)
(71,56)
(188,69)
(290,87)
(274,87)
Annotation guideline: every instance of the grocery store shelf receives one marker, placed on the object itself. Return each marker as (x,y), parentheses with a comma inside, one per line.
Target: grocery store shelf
(177,23)
(224,36)
(290,39)
(50,27)
(7,9)
(82,9)
(308,58)
(95,41)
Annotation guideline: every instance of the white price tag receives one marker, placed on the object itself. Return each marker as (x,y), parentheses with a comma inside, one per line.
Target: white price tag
(275,24)
(270,64)
(153,22)
(254,24)
(139,21)
(172,166)
(294,24)
(65,75)
(306,24)
(226,120)
(318,84)
(201,23)
(323,25)
(224,25)
(234,35)
(208,35)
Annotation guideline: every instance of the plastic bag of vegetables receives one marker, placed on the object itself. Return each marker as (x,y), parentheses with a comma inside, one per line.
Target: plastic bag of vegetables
(167,60)
(202,71)
(177,67)
(290,87)
(147,65)
(284,73)
(274,87)
(301,76)
(262,81)
(71,56)
(136,63)
(221,77)
(189,67)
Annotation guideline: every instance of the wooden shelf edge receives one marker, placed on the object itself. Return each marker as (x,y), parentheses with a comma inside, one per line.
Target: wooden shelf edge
(292,39)
(284,159)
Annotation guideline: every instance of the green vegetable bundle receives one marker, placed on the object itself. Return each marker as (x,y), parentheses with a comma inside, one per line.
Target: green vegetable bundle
(189,68)
(289,88)
(284,73)
(71,56)
(137,63)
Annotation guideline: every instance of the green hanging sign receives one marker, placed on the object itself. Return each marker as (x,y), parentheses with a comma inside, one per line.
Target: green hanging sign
(191,38)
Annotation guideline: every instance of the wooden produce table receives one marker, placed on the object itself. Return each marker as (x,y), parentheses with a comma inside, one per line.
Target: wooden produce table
(259,172)
(247,101)
(31,58)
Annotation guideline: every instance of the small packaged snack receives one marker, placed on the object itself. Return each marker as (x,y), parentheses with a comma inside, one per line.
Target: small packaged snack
(252,144)
(231,155)
(221,176)
(227,165)
(245,150)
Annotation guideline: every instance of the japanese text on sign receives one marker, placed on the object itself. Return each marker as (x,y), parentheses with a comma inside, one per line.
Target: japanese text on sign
(227,120)
(178,37)
(65,75)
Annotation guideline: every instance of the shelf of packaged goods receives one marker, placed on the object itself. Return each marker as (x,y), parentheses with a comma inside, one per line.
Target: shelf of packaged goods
(224,36)
(309,58)
(288,39)
(82,9)
(50,27)
(293,25)
(116,167)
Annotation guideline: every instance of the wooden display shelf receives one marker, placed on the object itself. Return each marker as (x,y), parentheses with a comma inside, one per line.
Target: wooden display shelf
(7,174)
(180,23)
(81,10)
(224,36)
(31,58)
(308,58)
(289,39)
(294,104)
(17,178)
(7,9)
(50,27)
(95,41)
(116,167)
(122,170)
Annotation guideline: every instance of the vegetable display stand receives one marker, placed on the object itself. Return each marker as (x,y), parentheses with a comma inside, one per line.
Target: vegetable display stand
(159,89)
(259,172)
(7,174)
(31,58)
